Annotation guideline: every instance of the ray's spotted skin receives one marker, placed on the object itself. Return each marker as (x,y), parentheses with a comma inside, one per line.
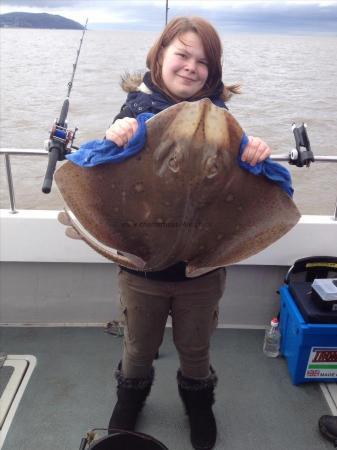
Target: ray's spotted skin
(183,189)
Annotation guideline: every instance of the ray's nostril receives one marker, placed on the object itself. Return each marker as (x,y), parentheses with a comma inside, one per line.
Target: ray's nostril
(212,168)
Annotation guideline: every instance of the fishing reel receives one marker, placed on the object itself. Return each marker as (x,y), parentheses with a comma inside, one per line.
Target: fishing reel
(65,137)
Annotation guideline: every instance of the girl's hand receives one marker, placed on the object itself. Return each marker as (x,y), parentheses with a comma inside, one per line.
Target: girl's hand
(70,231)
(122,131)
(256,151)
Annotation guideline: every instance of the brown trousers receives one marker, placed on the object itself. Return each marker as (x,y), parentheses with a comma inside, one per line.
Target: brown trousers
(193,305)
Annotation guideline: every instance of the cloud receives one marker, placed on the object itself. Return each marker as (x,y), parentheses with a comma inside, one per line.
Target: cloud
(279,16)
(38,3)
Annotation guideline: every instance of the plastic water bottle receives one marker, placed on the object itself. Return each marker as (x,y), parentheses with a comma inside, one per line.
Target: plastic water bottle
(272,338)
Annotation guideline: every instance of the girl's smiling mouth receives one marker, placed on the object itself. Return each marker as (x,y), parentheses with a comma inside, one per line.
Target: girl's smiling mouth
(186,78)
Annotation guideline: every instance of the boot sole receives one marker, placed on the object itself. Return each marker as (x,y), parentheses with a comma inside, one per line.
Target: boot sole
(331,437)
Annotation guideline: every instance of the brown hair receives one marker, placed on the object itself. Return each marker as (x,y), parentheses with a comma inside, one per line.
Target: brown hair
(213,51)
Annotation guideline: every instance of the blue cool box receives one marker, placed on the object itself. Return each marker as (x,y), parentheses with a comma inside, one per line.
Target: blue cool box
(310,349)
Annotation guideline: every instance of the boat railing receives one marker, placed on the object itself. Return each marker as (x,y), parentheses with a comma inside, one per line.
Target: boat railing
(8,152)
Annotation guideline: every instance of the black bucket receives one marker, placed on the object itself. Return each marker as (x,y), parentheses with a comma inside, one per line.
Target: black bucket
(127,440)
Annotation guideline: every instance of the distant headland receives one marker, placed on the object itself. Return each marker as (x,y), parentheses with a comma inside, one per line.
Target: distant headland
(37,20)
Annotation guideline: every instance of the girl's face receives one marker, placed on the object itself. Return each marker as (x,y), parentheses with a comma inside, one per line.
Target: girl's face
(184,66)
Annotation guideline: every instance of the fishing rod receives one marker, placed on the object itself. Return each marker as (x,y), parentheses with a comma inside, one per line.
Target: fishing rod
(61,139)
(166,12)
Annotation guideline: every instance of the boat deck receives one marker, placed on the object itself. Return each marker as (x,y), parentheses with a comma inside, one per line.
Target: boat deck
(72,390)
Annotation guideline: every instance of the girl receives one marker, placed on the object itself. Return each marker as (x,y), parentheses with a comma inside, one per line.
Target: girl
(184,65)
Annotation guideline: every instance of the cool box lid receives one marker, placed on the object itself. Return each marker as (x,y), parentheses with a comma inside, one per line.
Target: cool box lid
(326,288)
(314,310)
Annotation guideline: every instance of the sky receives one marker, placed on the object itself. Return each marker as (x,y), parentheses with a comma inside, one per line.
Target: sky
(294,16)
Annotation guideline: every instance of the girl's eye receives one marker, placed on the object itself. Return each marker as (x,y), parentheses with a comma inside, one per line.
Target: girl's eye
(181,54)
(205,63)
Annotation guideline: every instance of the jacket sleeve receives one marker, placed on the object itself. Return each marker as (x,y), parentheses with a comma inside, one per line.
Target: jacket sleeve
(124,112)
(268,168)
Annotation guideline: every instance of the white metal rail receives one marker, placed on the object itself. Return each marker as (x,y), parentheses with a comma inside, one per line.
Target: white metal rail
(7,152)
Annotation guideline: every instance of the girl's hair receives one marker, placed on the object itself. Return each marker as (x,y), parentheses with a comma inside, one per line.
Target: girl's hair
(213,52)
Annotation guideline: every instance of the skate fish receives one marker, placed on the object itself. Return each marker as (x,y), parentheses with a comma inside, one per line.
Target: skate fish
(182,198)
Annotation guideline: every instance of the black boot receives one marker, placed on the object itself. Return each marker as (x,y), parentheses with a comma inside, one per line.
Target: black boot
(131,395)
(328,427)
(198,398)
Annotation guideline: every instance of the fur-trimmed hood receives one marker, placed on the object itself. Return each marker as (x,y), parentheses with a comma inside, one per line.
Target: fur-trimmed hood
(145,96)
(133,82)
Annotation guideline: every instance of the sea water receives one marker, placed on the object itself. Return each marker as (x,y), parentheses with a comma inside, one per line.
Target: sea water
(284,79)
